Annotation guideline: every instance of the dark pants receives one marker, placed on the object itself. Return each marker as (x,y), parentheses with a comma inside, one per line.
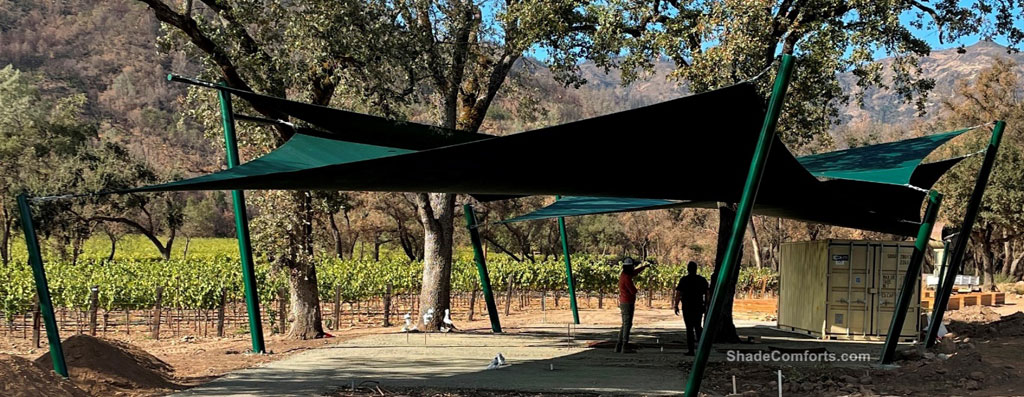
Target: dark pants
(692,317)
(627,325)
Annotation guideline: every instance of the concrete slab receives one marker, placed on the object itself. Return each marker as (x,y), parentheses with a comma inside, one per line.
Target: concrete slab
(541,358)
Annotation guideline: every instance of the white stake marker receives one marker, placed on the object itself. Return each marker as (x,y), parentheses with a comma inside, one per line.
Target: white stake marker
(780,383)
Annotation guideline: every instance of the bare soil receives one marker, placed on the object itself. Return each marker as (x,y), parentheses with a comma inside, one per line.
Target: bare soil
(21,377)
(981,358)
(104,367)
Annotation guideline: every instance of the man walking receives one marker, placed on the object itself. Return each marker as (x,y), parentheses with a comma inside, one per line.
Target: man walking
(692,292)
(627,301)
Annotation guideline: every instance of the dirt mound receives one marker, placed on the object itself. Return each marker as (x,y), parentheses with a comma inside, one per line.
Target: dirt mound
(105,367)
(973,314)
(21,377)
(1011,325)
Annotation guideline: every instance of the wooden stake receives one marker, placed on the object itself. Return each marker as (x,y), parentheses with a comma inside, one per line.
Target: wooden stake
(94,303)
(156,312)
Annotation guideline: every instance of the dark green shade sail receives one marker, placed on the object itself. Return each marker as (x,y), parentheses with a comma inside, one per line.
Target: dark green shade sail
(301,152)
(893,162)
(362,128)
(627,154)
(576,206)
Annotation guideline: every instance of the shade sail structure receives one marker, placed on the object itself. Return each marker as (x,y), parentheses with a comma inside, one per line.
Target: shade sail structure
(301,152)
(871,168)
(590,152)
(576,206)
(362,128)
(893,162)
(695,149)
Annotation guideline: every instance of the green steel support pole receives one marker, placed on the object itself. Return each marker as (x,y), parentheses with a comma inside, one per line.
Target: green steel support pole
(739,226)
(35,259)
(481,267)
(568,268)
(960,243)
(942,271)
(911,278)
(252,301)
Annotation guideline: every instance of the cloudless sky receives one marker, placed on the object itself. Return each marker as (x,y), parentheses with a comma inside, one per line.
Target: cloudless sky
(931,36)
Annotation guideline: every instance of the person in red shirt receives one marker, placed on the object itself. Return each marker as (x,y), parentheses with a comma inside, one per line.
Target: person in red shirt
(627,301)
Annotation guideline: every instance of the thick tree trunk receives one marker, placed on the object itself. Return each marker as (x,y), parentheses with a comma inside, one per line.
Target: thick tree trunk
(305,303)
(436,211)
(726,332)
(1015,276)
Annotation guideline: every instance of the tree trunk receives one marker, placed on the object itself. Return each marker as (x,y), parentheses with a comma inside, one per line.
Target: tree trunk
(376,249)
(988,282)
(5,238)
(184,252)
(988,264)
(305,302)
(755,247)
(1007,254)
(436,211)
(472,304)
(387,305)
(726,332)
(508,295)
(1014,276)
(339,247)
(113,246)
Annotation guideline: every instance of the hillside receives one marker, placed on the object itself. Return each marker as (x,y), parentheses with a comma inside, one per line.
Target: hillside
(74,46)
(946,67)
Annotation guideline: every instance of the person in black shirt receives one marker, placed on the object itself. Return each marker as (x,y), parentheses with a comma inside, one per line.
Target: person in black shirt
(692,292)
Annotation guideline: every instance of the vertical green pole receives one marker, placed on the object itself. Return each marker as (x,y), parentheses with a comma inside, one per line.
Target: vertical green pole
(960,243)
(35,259)
(739,226)
(942,272)
(568,268)
(912,278)
(481,267)
(252,301)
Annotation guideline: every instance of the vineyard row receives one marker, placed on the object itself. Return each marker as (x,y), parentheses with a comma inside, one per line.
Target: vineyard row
(203,284)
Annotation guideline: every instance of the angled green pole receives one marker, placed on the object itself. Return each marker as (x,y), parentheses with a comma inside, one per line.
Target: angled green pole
(911,278)
(960,242)
(35,259)
(739,226)
(942,269)
(481,267)
(568,268)
(942,273)
(252,302)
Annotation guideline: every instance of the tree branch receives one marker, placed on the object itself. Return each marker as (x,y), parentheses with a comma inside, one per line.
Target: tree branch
(501,248)
(229,71)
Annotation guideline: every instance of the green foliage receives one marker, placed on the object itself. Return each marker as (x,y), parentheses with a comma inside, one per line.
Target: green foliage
(717,43)
(130,282)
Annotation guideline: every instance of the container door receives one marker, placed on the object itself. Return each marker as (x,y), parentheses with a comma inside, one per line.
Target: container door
(848,302)
(891,265)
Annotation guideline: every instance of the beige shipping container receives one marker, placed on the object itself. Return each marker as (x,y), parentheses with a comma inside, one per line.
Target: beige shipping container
(845,289)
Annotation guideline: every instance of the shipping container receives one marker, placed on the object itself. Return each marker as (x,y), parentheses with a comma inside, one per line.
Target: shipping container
(845,289)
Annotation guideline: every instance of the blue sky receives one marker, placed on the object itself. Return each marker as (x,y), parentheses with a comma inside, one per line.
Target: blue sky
(931,36)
